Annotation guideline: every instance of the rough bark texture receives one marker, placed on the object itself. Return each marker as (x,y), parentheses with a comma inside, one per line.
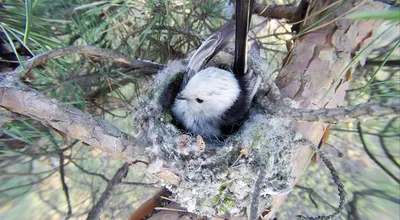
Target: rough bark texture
(314,65)
(378,109)
(106,195)
(109,55)
(66,119)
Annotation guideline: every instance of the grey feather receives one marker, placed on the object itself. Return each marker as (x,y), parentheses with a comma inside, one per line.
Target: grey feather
(252,83)
(208,49)
(214,101)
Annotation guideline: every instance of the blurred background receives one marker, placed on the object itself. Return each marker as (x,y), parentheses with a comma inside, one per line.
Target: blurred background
(43,178)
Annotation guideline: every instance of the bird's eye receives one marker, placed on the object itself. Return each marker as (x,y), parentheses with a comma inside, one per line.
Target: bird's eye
(199,100)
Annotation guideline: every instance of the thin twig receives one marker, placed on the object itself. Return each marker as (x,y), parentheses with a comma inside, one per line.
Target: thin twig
(338,182)
(377,109)
(331,21)
(108,55)
(394,63)
(369,133)
(13,197)
(382,141)
(364,143)
(352,205)
(273,102)
(106,195)
(88,172)
(28,184)
(139,184)
(171,210)
(311,191)
(20,98)
(256,194)
(64,185)
(49,153)
(276,11)
(181,31)
(316,13)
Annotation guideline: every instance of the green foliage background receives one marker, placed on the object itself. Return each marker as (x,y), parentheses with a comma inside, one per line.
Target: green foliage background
(161,31)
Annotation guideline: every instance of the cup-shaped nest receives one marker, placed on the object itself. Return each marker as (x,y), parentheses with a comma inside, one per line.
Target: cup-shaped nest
(215,177)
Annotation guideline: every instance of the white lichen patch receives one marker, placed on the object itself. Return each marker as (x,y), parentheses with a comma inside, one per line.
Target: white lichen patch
(215,176)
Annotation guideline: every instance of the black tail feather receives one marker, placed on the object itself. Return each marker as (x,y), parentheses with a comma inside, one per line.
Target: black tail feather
(208,49)
(243,16)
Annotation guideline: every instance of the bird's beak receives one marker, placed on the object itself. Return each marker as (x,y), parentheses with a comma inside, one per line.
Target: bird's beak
(180,97)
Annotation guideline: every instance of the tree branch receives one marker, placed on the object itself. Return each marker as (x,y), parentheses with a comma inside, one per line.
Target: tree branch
(48,153)
(276,11)
(64,185)
(394,63)
(28,184)
(364,143)
(88,172)
(382,142)
(139,184)
(338,182)
(312,192)
(108,55)
(18,97)
(377,109)
(181,31)
(105,196)
(256,194)
(352,206)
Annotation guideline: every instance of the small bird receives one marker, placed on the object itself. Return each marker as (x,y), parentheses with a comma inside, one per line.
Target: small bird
(213,101)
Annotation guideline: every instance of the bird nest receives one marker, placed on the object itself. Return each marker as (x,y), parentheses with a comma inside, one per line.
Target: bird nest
(209,176)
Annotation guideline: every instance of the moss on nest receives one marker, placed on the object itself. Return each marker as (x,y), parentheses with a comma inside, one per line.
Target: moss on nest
(215,177)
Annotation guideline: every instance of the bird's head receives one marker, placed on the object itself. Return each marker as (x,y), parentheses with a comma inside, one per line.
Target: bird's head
(208,94)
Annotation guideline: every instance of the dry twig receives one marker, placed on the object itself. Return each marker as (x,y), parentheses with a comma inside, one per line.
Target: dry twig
(106,195)
(108,55)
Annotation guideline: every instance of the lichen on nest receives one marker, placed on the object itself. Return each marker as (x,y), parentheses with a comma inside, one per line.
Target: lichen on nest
(214,177)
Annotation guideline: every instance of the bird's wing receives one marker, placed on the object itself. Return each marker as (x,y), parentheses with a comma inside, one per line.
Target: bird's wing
(243,17)
(208,49)
(252,83)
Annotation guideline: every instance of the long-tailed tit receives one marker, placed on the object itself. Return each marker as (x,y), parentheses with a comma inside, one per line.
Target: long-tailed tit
(212,101)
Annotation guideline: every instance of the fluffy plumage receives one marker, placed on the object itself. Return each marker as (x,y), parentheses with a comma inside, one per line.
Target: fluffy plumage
(212,101)
(204,100)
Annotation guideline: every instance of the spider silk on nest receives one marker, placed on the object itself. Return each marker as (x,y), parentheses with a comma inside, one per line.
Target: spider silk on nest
(215,177)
